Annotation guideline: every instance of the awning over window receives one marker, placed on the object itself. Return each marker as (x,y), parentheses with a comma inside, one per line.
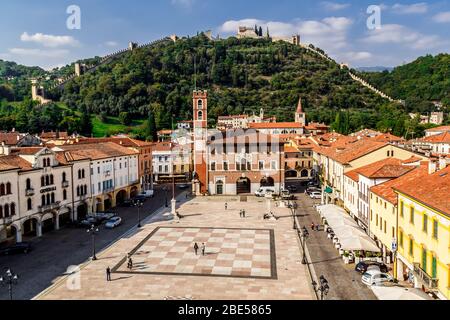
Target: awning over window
(328,190)
(351,236)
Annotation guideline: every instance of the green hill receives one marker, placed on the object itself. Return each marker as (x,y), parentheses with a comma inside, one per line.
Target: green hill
(419,83)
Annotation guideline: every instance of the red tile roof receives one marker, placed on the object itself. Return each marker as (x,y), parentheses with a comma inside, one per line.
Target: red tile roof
(10,138)
(385,190)
(438,138)
(441,128)
(12,162)
(429,189)
(276,125)
(387,137)
(348,151)
(96,151)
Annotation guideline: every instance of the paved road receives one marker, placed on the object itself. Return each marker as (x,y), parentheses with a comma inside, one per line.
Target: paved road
(57,250)
(345,283)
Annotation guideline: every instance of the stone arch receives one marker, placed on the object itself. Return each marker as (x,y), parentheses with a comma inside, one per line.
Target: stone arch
(108,202)
(290,174)
(121,196)
(304,173)
(243,185)
(82,211)
(267,182)
(133,192)
(30,227)
(48,222)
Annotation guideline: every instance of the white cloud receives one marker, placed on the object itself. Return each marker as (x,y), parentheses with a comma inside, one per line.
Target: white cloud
(398,34)
(443,17)
(48,40)
(415,8)
(39,53)
(183,3)
(357,56)
(334,6)
(111,44)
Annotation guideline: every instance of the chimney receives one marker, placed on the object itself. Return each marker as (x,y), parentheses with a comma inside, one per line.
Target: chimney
(432,167)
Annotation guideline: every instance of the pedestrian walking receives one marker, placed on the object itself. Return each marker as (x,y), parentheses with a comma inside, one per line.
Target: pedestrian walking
(312,226)
(243,213)
(108,274)
(240,213)
(226,206)
(318,227)
(203,248)
(130,264)
(195,248)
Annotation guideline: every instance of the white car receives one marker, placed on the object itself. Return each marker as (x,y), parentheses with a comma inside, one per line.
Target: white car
(113,222)
(148,193)
(375,277)
(315,195)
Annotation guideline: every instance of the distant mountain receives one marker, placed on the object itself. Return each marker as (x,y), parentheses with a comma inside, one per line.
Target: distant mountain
(374,69)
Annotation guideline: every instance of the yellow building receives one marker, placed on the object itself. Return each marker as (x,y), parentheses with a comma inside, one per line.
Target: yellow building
(424,230)
(383,210)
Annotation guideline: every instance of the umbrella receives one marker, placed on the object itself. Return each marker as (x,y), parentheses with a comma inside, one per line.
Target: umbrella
(348,231)
(358,243)
(399,293)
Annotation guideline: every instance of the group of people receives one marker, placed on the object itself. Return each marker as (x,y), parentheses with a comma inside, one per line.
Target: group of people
(315,226)
(203,248)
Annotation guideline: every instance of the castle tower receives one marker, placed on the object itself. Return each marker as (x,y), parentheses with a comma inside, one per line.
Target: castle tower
(200,117)
(78,69)
(34,89)
(300,116)
(261,114)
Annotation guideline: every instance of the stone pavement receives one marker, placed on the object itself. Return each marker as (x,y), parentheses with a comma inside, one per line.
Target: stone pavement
(269,268)
(344,282)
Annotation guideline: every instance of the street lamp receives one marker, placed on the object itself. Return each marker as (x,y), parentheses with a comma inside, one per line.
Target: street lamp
(165,192)
(9,279)
(323,288)
(93,231)
(139,205)
(292,207)
(304,235)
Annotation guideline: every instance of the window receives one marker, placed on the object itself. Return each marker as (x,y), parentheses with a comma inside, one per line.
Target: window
(411,247)
(29,204)
(200,104)
(8,188)
(43,200)
(1,212)
(13,209)
(2,189)
(273,165)
(411,215)
(393,232)
(435,229)
(402,207)
(6,210)
(213,166)
(225,166)
(79,174)
(64,177)
(200,115)
(424,259)
(78,191)
(64,194)
(385,226)
(28,184)
(434,267)
(425,223)
(261,165)
(401,239)
(51,179)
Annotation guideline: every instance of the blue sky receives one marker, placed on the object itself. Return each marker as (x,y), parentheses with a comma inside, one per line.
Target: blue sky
(35,32)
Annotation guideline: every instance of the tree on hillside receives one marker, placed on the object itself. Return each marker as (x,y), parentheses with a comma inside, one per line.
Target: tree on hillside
(125,118)
(85,122)
(152,132)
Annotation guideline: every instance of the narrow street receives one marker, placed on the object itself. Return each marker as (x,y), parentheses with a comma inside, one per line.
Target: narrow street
(344,282)
(53,253)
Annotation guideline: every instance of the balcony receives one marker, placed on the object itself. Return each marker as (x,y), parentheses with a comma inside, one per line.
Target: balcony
(49,207)
(109,189)
(29,192)
(424,278)
(65,184)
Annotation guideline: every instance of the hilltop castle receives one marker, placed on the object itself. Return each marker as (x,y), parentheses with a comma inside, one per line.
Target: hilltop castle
(257,33)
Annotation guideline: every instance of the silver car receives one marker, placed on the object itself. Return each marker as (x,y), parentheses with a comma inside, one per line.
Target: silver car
(113,222)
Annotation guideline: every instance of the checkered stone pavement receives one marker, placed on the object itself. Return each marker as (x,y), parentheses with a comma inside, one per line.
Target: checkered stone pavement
(230,252)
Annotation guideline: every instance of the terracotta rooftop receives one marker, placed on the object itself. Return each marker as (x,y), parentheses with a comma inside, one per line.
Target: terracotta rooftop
(10,138)
(349,151)
(385,190)
(54,135)
(386,168)
(126,142)
(162,146)
(238,116)
(247,136)
(354,175)
(12,162)
(441,128)
(411,160)
(439,138)
(96,151)
(429,189)
(26,150)
(276,125)
(387,137)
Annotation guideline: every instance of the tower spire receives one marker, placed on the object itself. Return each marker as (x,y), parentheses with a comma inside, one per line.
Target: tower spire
(299,106)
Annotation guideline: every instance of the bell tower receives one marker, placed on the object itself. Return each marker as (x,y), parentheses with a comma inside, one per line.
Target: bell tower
(300,116)
(200,117)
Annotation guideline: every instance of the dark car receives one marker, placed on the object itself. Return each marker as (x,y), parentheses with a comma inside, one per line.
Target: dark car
(183,186)
(364,265)
(127,203)
(292,188)
(22,247)
(140,198)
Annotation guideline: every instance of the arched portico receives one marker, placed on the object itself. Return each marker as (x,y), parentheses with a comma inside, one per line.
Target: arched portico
(243,185)
(32,227)
(267,182)
(121,196)
(290,174)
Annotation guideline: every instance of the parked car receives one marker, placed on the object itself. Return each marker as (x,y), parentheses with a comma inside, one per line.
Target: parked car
(127,203)
(292,188)
(89,221)
(309,190)
(364,266)
(140,198)
(104,216)
(263,191)
(286,195)
(113,222)
(183,186)
(375,277)
(148,193)
(20,247)
(316,195)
